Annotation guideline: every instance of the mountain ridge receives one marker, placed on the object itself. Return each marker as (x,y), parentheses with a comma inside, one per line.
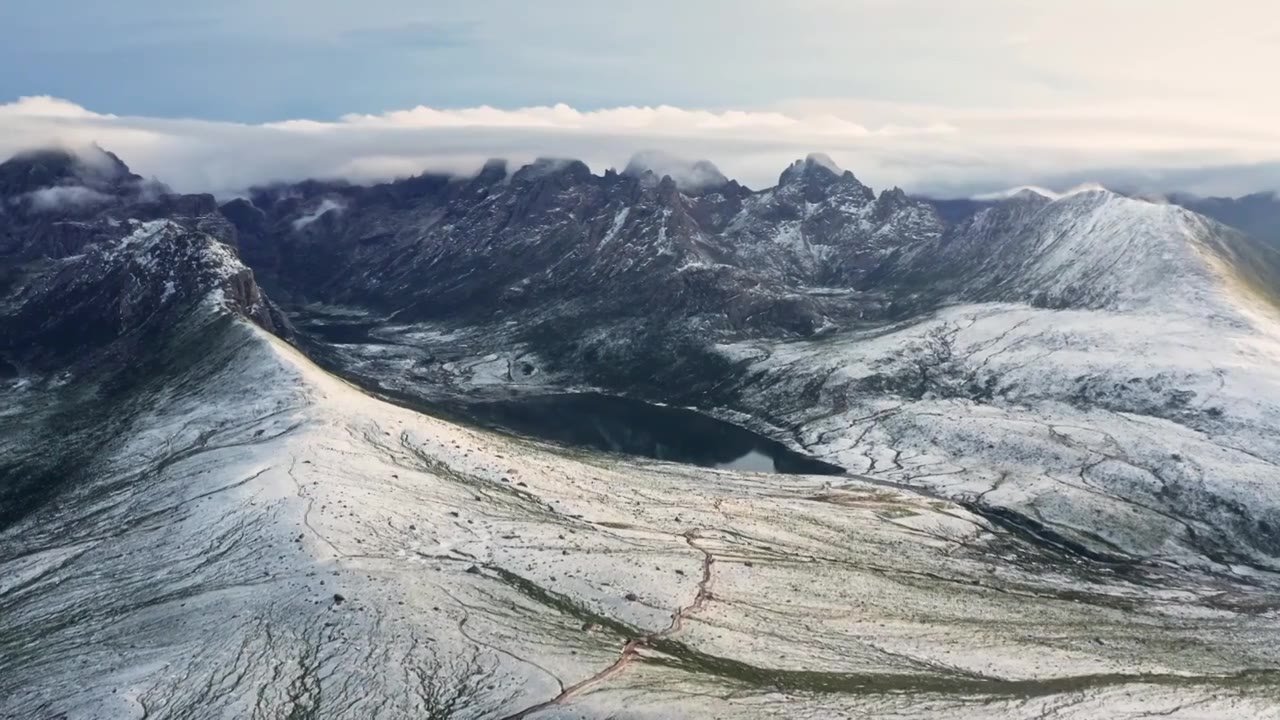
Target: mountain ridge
(550,251)
(1059,425)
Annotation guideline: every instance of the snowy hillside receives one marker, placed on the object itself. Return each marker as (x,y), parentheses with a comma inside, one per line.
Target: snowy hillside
(1148,435)
(1097,249)
(271,541)
(1060,419)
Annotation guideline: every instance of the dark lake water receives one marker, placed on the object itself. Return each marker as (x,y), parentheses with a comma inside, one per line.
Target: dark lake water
(351,332)
(633,427)
(591,420)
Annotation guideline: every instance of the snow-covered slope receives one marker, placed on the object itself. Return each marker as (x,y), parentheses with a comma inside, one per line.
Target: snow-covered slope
(1123,391)
(1105,372)
(1097,249)
(267,541)
(1256,215)
(1064,451)
(1145,435)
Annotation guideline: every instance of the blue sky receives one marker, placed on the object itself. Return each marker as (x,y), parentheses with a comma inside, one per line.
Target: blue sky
(275,59)
(1140,85)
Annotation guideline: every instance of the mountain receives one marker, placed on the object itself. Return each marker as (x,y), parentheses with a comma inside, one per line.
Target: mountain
(125,290)
(690,177)
(554,257)
(1098,363)
(499,243)
(968,349)
(1096,249)
(49,180)
(55,203)
(1256,215)
(1058,416)
(956,210)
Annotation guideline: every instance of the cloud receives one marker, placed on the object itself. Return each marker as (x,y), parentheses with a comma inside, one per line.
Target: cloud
(50,108)
(326,205)
(62,197)
(687,175)
(1041,191)
(926,149)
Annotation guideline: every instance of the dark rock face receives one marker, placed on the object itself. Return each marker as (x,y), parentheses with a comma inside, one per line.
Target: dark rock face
(551,239)
(94,262)
(116,295)
(54,204)
(99,171)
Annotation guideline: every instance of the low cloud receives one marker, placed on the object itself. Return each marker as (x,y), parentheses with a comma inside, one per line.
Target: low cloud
(687,175)
(924,149)
(1041,191)
(63,198)
(326,205)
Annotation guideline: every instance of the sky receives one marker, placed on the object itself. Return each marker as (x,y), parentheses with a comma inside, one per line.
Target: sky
(947,97)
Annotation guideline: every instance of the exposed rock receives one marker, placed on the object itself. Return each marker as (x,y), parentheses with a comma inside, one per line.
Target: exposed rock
(118,295)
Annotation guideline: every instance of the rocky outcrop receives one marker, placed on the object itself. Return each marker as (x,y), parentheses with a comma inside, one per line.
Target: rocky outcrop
(56,203)
(552,242)
(111,301)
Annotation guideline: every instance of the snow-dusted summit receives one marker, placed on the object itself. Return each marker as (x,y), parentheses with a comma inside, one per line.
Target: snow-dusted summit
(1099,249)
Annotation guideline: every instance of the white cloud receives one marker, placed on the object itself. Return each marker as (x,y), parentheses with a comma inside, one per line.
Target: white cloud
(62,198)
(326,205)
(922,148)
(43,106)
(687,175)
(1043,192)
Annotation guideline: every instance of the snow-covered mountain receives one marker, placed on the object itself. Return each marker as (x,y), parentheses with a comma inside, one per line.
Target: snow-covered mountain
(1059,417)
(257,537)
(1099,365)
(969,350)
(1097,249)
(123,291)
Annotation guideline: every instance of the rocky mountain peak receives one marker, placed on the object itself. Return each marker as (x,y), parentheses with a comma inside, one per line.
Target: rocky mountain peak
(1030,195)
(890,202)
(494,171)
(52,178)
(118,292)
(814,167)
(893,196)
(817,177)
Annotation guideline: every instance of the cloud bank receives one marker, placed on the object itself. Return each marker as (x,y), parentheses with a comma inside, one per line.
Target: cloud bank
(924,149)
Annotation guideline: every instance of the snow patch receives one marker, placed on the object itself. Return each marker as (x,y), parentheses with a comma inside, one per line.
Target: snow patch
(619,221)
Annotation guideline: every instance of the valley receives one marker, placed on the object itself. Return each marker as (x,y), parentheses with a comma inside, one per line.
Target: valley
(550,444)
